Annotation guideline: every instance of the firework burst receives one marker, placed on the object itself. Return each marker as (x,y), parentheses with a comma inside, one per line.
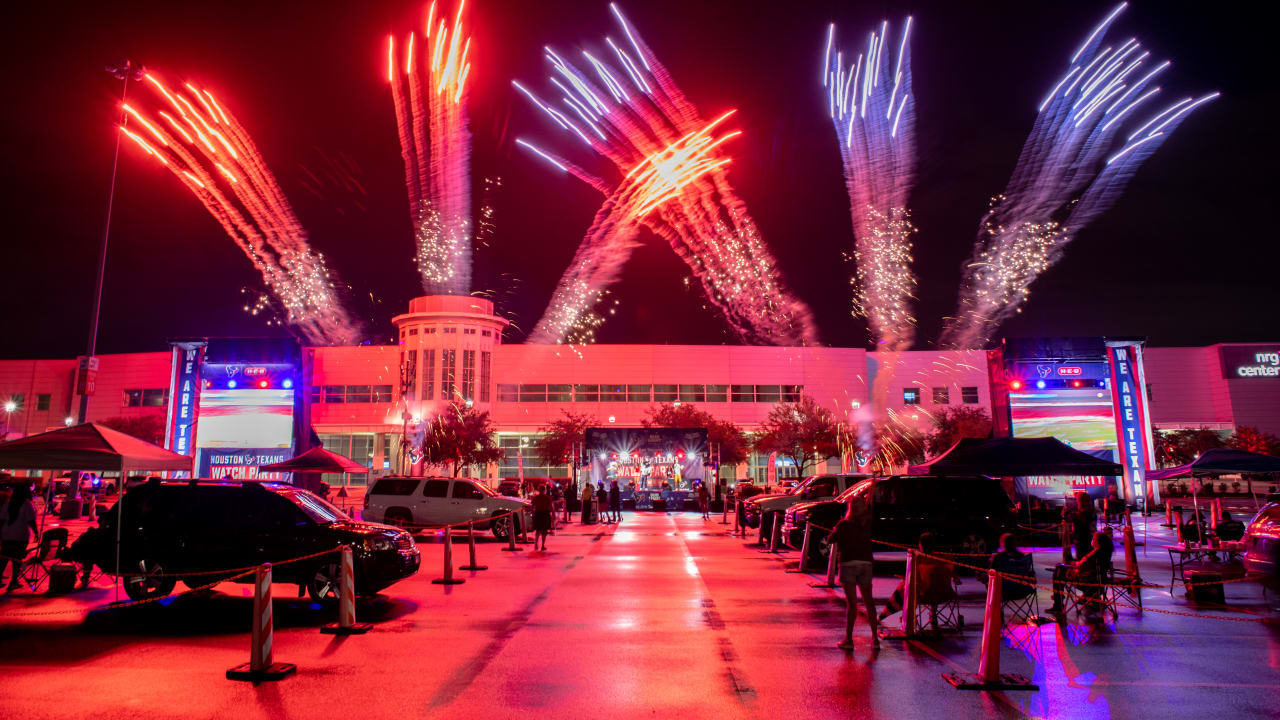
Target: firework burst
(871,106)
(1073,166)
(428,79)
(209,151)
(673,181)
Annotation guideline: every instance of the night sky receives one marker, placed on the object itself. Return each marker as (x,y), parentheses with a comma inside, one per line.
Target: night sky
(1185,257)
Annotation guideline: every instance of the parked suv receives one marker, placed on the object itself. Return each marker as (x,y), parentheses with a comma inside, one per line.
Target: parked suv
(171,529)
(818,487)
(968,513)
(1262,544)
(437,501)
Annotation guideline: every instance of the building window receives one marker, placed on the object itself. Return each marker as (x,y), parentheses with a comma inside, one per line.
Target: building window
(693,393)
(941,396)
(486,373)
(517,452)
(717,393)
(911,396)
(613,393)
(410,376)
(132,398)
(743,393)
(468,331)
(414,331)
(381,394)
(42,401)
(335,393)
(533,393)
(429,374)
(149,397)
(665,393)
(559,393)
(486,333)
(359,394)
(586,393)
(448,372)
(469,374)
(768,393)
(969,395)
(791,393)
(429,331)
(508,393)
(450,331)
(638,393)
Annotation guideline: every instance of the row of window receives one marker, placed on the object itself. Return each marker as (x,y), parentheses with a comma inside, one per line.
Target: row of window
(447,330)
(423,386)
(649,393)
(148,397)
(941,396)
(351,394)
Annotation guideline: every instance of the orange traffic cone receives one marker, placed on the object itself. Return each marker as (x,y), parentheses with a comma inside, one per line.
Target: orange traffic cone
(989,676)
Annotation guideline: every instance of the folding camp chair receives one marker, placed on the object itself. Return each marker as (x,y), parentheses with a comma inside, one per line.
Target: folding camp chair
(1122,588)
(1090,596)
(1018,600)
(35,569)
(938,609)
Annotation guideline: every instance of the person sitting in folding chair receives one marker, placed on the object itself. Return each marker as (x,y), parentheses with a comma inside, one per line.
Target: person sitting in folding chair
(935,582)
(1012,563)
(1088,571)
(17,526)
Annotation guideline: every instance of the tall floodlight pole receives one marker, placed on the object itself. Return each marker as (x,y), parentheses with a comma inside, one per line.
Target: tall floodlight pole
(125,71)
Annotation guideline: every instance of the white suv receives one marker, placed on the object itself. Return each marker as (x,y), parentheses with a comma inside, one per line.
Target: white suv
(438,501)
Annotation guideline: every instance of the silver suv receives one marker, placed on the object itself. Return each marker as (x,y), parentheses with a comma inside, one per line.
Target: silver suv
(437,501)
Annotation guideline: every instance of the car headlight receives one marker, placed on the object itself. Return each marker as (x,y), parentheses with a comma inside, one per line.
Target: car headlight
(378,542)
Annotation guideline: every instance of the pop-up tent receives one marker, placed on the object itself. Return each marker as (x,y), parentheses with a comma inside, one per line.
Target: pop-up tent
(1015,457)
(1221,461)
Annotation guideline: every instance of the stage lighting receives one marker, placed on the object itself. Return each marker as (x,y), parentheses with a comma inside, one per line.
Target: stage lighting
(263,383)
(287,384)
(231,384)
(1039,384)
(1015,384)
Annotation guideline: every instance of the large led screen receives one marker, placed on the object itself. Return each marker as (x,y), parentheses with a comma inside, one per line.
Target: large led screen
(1081,417)
(245,418)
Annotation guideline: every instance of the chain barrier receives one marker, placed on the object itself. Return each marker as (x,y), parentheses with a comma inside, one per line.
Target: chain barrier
(490,518)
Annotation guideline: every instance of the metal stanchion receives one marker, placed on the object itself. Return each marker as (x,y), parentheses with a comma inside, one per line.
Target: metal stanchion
(833,562)
(524,527)
(448,578)
(346,624)
(761,541)
(471,545)
(261,665)
(775,532)
(804,551)
(724,510)
(989,676)
(511,535)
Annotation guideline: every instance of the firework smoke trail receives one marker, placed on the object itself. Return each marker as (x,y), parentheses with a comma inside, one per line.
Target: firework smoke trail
(1072,168)
(631,112)
(871,106)
(428,78)
(207,149)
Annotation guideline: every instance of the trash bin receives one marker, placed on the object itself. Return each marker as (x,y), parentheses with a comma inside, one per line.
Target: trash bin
(1205,586)
(62,578)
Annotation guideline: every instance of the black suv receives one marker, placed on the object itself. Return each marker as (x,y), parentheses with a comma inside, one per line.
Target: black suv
(968,513)
(174,528)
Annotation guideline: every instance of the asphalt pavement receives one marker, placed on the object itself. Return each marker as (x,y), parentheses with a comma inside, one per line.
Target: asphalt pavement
(659,616)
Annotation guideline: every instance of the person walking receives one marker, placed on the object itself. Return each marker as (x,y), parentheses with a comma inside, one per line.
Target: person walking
(19,524)
(570,492)
(542,517)
(602,503)
(588,502)
(704,501)
(852,535)
(615,501)
(557,503)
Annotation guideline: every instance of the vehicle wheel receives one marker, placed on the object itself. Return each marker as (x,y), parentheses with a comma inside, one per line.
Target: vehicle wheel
(501,526)
(149,582)
(399,518)
(322,586)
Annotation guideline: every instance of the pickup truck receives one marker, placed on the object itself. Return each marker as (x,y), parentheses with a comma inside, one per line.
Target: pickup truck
(761,508)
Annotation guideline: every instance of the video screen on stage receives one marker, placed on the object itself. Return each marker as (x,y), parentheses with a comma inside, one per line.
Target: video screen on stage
(245,418)
(1080,417)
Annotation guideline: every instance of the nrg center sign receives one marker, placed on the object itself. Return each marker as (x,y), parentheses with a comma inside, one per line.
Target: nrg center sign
(1250,361)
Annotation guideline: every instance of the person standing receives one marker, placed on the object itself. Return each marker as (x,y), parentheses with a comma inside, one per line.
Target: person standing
(19,524)
(588,502)
(852,536)
(542,511)
(615,501)
(602,503)
(1084,522)
(704,501)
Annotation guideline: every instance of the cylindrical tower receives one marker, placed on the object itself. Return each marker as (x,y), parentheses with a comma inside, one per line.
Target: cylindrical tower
(446,353)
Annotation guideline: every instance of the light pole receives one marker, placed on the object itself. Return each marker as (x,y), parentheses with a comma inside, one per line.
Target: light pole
(124,70)
(9,407)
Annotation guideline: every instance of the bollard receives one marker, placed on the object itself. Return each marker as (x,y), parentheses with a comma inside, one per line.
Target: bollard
(1181,540)
(737,517)
(833,562)
(511,536)
(724,510)
(804,551)
(1213,515)
(448,578)
(1168,515)
(346,624)
(524,528)
(261,665)
(989,676)
(1130,553)
(775,532)
(471,543)
(760,539)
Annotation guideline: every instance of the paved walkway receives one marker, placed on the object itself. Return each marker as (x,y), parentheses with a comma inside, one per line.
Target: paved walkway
(661,616)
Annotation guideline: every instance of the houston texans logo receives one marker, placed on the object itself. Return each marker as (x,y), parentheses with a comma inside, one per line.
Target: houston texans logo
(1044,370)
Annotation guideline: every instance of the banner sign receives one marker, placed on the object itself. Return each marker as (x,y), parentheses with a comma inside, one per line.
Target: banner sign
(184,396)
(241,464)
(1129,405)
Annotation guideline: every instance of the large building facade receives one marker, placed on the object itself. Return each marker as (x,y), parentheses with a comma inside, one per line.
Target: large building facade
(362,399)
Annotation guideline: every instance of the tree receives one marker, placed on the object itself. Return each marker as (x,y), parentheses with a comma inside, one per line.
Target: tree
(722,434)
(802,432)
(899,444)
(555,447)
(460,435)
(1179,447)
(144,427)
(1254,440)
(956,423)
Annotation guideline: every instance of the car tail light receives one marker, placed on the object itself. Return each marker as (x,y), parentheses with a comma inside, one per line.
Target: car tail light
(366,499)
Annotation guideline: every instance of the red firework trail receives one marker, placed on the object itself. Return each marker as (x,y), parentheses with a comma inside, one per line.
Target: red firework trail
(674,182)
(208,150)
(428,78)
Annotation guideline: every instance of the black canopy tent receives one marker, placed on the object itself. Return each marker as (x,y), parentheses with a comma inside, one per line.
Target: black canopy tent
(1221,461)
(1015,457)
